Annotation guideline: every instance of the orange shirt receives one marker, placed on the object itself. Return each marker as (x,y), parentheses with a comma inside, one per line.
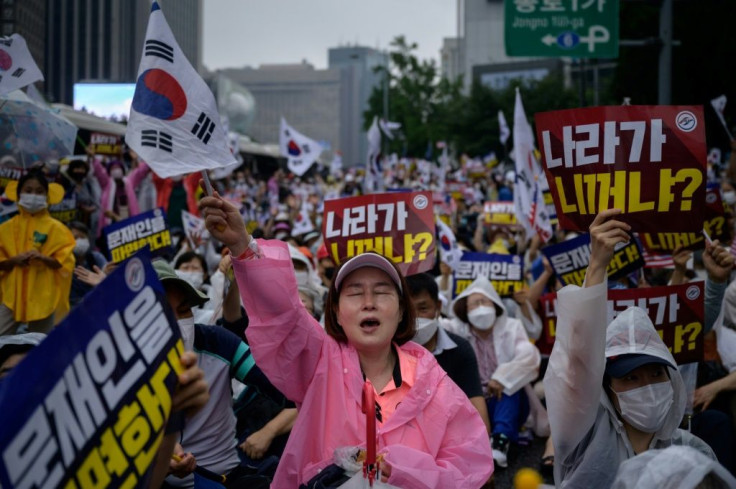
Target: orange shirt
(403,378)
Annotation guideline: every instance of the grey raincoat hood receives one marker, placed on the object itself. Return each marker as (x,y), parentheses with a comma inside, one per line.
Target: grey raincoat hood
(633,332)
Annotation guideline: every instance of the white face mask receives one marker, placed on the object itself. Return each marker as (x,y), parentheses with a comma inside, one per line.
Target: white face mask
(186,327)
(195,279)
(32,202)
(729,197)
(645,408)
(482,317)
(116,173)
(82,246)
(426,328)
(302,277)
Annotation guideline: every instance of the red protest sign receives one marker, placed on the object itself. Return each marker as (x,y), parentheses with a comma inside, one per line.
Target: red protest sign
(648,161)
(715,224)
(676,311)
(398,225)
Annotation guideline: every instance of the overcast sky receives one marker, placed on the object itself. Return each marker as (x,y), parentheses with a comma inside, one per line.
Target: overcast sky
(237,33)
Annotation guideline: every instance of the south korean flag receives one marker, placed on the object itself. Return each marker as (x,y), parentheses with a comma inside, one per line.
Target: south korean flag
(299,150)
(17,68)
(174,124)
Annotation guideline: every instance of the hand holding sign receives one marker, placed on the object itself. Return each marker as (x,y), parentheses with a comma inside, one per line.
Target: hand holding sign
(224,223)
(605,234)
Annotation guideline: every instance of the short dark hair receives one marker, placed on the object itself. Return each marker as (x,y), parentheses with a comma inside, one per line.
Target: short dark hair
(34,174)
(404,332)
(423,282)
(189,256)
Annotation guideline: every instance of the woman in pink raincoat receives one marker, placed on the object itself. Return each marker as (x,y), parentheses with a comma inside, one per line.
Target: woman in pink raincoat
(427,430)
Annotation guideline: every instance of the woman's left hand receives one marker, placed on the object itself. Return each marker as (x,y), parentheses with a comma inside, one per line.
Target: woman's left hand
(495,388)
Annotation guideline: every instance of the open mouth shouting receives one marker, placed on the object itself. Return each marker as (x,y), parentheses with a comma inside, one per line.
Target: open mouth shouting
(369,324)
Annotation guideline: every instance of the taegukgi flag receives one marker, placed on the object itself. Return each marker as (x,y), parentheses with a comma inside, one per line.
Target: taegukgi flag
(174,124)
(300,151)
(17,68)
(528,199)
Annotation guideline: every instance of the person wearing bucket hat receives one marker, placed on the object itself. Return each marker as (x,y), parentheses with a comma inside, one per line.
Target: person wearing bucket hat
(428,432)
(209,437)
(36,258)
(612,392)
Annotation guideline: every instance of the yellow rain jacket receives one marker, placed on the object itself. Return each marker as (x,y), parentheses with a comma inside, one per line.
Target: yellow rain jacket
(36,291)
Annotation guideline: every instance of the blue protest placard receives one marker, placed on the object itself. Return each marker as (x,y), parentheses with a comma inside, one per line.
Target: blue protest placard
(506,272)
(570,259)
(88,406)
(149,229)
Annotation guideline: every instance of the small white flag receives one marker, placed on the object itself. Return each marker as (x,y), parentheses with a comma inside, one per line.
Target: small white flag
(172,118)
(388,127)
(302,222)
(300,151)
(450,253)
(719,105)
(17,68)
(503,128)
(528,199)
(373,175)
(336,165)
(194,228)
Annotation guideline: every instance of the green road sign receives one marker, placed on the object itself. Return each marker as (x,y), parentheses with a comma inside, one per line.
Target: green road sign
(575,28)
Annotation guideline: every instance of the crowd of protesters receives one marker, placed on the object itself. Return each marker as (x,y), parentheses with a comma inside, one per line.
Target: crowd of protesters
(281,333)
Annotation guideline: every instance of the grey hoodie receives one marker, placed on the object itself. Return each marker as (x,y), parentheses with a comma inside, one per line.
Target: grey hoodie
(589,437)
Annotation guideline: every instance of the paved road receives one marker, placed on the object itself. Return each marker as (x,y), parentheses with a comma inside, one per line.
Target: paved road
(521,456)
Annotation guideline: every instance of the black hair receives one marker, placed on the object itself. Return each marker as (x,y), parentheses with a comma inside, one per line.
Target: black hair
(189,256)
(34,174)
(423,282)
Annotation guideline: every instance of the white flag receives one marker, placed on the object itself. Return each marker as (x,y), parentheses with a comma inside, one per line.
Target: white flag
(719,105)
(528,198)
(374,171)
(302,222)
(450,253)
(388,127)
(172,118)
(300,150)
(503,128)
(17,68)
(194,228)
(336,165)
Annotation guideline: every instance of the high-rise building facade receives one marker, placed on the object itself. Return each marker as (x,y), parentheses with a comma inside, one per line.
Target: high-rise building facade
(361,74)
(307,98)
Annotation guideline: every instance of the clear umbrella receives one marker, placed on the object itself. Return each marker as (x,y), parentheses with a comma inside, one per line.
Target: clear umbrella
(31,132)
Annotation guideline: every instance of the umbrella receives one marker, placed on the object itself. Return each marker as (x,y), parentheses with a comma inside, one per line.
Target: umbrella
(31,132)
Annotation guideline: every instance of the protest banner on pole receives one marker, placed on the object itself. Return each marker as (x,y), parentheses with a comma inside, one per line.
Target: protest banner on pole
(105,144)
(499,214)
(397,225)
(88,406)
(715,224)
(506,272)
(677,312)
(648,161)
(125,238)
(570,259)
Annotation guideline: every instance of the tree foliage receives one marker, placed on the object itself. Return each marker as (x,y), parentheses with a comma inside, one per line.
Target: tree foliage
(431,108)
